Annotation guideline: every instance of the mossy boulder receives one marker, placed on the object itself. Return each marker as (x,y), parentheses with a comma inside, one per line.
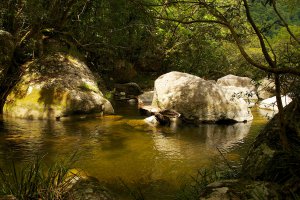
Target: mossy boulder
(241,189)
(56,86)
(267,160)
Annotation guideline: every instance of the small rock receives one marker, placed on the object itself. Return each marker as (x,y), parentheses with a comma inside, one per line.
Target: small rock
(132,101)
(89,189)
(129,89)
(271,104)
(152,120)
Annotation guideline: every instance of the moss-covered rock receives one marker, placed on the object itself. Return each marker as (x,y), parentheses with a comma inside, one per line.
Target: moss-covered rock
(241,189)
(268,161)
(56,86)
(90,189)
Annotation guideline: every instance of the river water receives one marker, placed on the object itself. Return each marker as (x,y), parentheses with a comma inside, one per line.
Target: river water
(122,150)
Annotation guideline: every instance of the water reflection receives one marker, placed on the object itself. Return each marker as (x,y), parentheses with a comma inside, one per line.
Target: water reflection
(183,142)
(22,139)
(121,146)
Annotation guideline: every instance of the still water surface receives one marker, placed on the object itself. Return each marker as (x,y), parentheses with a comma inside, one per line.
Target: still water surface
(158,160)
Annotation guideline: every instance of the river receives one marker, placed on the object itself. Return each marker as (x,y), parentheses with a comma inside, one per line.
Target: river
(122,149)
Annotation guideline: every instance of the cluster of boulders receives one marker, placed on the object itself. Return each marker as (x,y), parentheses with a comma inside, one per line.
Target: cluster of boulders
(204,101)
(59,85)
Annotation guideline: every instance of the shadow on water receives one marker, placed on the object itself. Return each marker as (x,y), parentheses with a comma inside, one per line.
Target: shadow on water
(122,146)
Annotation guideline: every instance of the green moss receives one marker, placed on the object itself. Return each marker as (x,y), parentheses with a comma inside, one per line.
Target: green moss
(88,87)
(108,95)
(37,103)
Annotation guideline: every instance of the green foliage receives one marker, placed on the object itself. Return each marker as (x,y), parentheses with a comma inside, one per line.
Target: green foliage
(201,180)
(267,19)
(37,180)
(103,32)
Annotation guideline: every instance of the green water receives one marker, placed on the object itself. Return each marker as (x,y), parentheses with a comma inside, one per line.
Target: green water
(157,160)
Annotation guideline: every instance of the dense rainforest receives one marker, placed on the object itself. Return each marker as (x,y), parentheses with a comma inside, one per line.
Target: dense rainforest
(125,41)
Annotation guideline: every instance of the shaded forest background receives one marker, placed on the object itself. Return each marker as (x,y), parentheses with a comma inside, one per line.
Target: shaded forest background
(127,36)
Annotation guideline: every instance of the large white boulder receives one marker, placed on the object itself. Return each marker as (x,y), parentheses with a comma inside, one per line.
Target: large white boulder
(197,100)
(238,87)
(56,86)
(271,104)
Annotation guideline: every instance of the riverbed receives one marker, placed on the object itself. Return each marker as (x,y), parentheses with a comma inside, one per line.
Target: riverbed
(126,153)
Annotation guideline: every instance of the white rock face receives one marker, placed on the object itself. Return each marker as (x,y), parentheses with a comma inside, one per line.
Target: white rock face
(54,87)
(238,87)
(271,104)
(151,120)
(197,100)
(266,88)
(237,81)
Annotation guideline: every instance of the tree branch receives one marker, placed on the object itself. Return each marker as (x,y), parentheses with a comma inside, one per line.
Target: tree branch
(284,23)
(260,37)
(192,21)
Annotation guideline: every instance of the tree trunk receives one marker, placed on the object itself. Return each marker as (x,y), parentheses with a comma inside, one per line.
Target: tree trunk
(282,125)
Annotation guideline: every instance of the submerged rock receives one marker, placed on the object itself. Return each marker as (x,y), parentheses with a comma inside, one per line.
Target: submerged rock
(197,100)
(56,86)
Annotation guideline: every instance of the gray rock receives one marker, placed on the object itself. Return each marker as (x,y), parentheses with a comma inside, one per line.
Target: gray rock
(197,100)
(238,87)
(237,81)
(130,89)
(89,189)
(241,189)
(268,161)
(56,86)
